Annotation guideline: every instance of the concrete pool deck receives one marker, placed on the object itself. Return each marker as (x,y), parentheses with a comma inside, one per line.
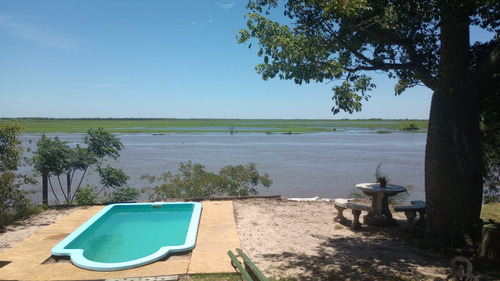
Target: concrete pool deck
(217,234)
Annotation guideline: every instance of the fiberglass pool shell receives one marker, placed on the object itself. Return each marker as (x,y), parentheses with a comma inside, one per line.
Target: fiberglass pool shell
(123,236)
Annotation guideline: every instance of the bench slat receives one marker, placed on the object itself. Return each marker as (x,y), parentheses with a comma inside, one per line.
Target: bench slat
(408,208)
(346,203)
(253,269)
(418,202)
(240,267)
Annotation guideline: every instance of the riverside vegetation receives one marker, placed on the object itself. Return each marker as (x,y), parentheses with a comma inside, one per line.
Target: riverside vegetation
(56,161)
(132,125)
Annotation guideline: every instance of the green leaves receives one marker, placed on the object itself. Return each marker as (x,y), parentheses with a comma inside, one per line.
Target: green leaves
(193,181)
(346,95)
(56,157)
(53,156)
(286,55)
(112,177)
(342,40)
(102,144)
(13,203)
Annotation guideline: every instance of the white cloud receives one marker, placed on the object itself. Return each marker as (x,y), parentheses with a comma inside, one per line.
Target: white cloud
(39,34)
(227,5)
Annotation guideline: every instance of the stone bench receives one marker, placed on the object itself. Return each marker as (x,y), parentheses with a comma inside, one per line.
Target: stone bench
(417,206)
(341,204)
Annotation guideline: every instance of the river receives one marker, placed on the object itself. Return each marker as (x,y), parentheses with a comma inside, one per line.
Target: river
(327,165)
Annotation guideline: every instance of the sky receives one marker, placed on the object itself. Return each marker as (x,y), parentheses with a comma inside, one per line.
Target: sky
(157,59)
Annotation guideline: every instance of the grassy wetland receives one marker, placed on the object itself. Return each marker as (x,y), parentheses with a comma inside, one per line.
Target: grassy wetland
(159,126)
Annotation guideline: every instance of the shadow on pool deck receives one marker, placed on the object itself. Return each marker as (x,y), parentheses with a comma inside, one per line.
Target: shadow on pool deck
(217,234)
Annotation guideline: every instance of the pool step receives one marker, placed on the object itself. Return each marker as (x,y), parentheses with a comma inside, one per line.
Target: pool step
(154,278)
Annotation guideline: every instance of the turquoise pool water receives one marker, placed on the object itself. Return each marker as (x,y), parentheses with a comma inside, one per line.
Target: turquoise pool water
(123,236)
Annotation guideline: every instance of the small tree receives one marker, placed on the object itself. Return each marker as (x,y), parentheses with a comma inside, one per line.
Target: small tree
(52,157)
(13,203)
(56,158)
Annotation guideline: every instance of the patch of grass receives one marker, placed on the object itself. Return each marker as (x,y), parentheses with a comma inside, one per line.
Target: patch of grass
(226,277)
(162,126)
(491,212)
(283,279)
(211,277)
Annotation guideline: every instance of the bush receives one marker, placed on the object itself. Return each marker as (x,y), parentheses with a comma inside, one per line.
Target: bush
(193,181)
(86,196)
(13,203)
(409,126)
(124,194)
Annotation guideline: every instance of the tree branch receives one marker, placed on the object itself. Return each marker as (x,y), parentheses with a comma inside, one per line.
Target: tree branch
(420,71)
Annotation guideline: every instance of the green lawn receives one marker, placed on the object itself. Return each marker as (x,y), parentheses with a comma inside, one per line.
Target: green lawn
(491,211)
(46,125)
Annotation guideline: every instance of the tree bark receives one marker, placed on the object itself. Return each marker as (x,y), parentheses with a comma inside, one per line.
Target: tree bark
(453,168)
(68,185)
(45,188)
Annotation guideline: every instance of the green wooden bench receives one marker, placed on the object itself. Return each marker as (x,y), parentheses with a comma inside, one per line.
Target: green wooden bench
(248,270)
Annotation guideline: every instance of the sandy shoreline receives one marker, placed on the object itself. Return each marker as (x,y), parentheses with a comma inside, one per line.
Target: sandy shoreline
(288,238)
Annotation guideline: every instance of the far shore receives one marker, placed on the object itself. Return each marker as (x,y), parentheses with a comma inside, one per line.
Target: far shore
(232,126)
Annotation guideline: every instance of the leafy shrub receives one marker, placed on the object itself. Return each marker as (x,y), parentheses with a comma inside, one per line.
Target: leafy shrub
(124,194)
(409,126)
(13,203)
(491,160)
(86,196)
(193,181)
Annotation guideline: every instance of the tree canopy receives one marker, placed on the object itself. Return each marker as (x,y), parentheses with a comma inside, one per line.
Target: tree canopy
(332,40)
(56,157)
(419,43)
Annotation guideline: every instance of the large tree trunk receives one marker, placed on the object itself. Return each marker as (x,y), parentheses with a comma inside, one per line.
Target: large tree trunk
(453,168)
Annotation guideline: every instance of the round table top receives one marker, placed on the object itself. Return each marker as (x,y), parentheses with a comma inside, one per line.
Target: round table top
(375,187)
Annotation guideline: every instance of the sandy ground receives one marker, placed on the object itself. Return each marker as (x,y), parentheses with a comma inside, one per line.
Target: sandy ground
(23,229)
(300,239)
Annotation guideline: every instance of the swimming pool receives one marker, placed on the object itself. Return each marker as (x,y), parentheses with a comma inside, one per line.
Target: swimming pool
(123,236)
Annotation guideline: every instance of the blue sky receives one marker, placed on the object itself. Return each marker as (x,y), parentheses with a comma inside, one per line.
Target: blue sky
(165,59)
